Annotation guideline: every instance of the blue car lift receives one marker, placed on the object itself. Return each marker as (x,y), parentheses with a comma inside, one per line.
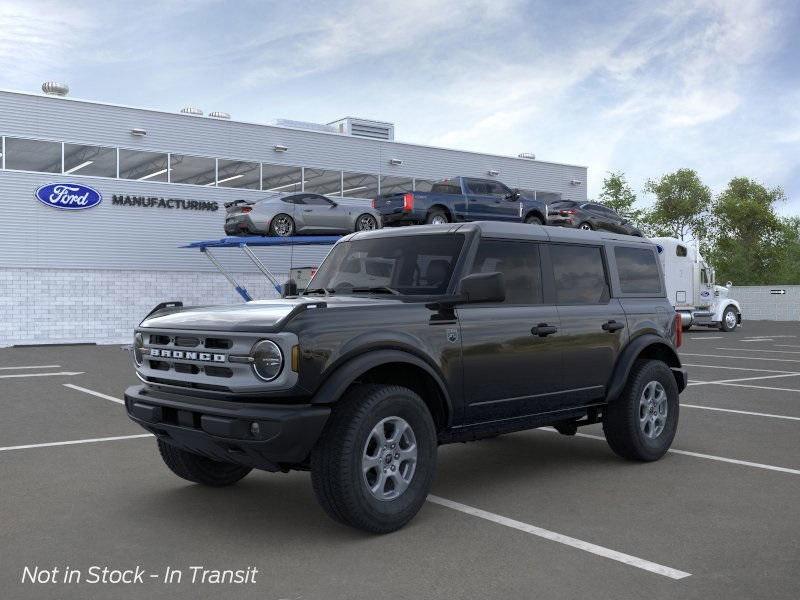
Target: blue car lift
(245,243)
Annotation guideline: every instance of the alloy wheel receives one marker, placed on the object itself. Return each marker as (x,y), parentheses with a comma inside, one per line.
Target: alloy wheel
(653,409)
(389,459)
(366,223)
(438,220)
(282,226)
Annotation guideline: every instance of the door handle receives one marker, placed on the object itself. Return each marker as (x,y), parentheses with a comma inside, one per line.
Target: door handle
(612,326)
(307,210)
(543,330)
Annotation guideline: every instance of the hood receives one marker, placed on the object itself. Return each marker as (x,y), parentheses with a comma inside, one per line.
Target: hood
(256,316)
(720,291)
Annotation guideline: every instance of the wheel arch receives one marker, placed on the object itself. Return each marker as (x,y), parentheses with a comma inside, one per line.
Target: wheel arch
(723,306)
(648,346)
(535,212)
(446,210)
(393,367)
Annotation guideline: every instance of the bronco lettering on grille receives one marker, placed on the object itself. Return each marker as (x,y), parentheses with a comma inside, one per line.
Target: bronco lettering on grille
(203,356)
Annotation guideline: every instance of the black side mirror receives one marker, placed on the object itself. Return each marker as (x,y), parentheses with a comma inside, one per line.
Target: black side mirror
(482,287)
(289,288)
(514,195)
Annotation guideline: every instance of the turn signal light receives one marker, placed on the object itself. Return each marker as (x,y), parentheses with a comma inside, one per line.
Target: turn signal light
(246,209)
(408,202)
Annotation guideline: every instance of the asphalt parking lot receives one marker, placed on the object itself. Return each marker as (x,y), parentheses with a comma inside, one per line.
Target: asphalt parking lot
(528,515)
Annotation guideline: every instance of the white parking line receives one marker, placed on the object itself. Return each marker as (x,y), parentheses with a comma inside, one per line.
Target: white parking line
(759,350)
(761,387)
(700,337)
(741,412)
(741,357)
(722,381)
(734,461)
(756,340)
(68,373)
(93,393)
(31,367)
(72,442)
(561,539)
(739,368)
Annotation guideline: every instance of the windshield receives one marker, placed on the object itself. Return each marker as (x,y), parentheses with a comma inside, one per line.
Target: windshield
(408,264)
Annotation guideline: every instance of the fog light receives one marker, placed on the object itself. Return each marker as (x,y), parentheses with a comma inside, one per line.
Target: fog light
(255,429)
(267,360)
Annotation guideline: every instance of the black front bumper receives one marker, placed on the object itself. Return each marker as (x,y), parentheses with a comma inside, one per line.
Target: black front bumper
(222,430)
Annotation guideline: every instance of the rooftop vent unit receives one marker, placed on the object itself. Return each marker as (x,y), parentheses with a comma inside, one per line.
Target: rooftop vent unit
(303,125)
(527,155)
(219,115)
(53,88)
(192,110)
(376,130)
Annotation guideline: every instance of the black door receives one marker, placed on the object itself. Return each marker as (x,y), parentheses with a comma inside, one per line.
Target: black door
(594,327)
(510,370)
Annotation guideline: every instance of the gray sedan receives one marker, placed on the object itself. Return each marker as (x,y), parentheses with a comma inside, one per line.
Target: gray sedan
(283,215)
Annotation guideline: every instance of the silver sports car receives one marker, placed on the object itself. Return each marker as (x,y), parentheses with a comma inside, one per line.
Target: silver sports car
(299,213)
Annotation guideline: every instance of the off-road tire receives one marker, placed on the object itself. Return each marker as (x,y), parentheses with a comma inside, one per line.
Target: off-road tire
(723,326)
(434,213)
(200,469)
(533,220)
(336,467)
(621,419)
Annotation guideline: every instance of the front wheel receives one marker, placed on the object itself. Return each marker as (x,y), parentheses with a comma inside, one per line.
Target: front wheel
(366,222)
(375,461)
(282,225)
(533,220)
(585,226)
(200,469)
(729,320)
(641,423)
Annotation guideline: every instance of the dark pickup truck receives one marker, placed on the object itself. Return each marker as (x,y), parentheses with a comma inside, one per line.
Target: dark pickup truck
(461,199)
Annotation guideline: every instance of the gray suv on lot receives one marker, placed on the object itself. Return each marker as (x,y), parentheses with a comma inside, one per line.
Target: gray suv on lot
(407,339)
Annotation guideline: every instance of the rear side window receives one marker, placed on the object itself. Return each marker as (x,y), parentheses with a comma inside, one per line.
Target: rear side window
(446,187)
(638,271)
(519,264)
(580,274)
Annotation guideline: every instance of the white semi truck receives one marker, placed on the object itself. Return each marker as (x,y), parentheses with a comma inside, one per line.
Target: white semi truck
(692,290)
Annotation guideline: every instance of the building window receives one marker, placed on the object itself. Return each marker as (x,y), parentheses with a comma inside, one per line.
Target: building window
(238,174)
(33,155)
(90,160)
(195,170)
(279,178)
(320,181)
(143,166)
(396,185)
(359,185)
(423,185)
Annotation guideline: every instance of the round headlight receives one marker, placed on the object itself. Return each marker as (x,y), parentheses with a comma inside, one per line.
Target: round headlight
(138,344)
(267,360)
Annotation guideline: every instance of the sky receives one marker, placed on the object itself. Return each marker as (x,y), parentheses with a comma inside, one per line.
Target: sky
(639,87)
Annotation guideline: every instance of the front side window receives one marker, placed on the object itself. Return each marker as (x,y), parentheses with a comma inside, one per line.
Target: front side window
(33,155)
(143,166)
(495,188)
(409,265)
(579,274)
(90,160)
(478,187)
(519,264)
(638,271)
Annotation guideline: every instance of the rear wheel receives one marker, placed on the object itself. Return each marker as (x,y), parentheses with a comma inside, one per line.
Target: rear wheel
(641,423)
(586,226)
(533,220)
(437,217)
(375,461)
(200,469)
(282,225)
(729,320)
(366,222)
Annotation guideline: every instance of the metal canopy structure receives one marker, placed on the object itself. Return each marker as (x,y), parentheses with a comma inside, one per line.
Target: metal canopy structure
(245,244)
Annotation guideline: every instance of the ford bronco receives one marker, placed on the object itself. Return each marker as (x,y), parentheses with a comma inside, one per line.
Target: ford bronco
(406,339)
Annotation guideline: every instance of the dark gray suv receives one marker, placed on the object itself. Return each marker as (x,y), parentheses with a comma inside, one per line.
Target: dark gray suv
(410,338)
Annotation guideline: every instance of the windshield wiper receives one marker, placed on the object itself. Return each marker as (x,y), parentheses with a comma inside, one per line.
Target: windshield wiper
(325,291)
(378,289)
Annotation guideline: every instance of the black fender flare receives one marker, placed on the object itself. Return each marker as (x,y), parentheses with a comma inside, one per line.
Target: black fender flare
(345,374)
(632,351)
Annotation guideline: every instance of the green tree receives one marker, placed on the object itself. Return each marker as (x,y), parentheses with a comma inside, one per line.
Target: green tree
(681,206)
(752,245)
(618,196)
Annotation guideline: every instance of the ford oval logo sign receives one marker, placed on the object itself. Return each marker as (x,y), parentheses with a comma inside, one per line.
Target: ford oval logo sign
(68,196)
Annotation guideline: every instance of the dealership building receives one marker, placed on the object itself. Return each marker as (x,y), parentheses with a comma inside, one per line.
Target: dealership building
(161,181)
